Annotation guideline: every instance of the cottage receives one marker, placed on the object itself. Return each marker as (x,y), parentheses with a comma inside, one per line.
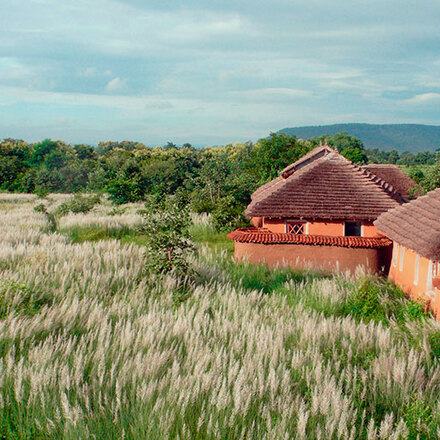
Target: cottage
(319,212)
(415,231)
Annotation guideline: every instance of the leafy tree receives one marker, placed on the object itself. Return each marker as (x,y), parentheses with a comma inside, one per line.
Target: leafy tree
(41,150)
(213,172)
(170,246)
(55,159)
(170,146)
(349,146)
(123,191)
(84,152)
(104,147)
(228,214)
(431,180)
(275,153)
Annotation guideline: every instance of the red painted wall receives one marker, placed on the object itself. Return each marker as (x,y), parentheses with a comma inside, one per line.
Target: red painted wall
(318,257)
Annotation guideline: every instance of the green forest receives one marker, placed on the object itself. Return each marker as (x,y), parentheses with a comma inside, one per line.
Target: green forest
(217,180)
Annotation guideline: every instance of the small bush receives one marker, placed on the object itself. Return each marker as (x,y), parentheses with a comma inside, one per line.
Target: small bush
(79,204)
(42,192)
(202,205)
(418,417)
(378,300)
(168,228)
(228,215)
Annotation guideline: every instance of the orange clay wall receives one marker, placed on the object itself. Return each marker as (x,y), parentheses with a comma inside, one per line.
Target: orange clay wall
(333,229)
(317,257)
(257,222)
(274,224)
(403,273)
(369,230)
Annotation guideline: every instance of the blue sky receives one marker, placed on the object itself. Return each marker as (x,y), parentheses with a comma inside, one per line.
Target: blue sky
(211,72)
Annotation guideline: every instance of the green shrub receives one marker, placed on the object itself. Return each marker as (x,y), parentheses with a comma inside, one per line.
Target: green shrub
(42,192)
(418,417)
(124,191)
(228,215)
(168,229)
(378,300)
(79,204)
(202,205)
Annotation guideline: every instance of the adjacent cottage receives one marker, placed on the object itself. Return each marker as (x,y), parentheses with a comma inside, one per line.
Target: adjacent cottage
(415,231)
(319,212)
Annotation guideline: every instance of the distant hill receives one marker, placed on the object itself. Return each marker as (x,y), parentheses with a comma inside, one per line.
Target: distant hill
(400,137)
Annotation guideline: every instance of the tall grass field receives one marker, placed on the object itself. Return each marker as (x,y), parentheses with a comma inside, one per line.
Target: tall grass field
(93,346)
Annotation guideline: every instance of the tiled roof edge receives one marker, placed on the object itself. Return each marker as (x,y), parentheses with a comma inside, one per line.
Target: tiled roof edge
(264,236)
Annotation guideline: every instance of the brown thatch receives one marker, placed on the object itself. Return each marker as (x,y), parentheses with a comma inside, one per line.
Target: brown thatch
(393,175)
(415,225)
(324,185)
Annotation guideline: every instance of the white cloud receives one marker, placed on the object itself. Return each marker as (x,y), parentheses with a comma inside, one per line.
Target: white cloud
(13,69)
(271,93)
(15,95)
(424,98)
(115,85)
(89,71)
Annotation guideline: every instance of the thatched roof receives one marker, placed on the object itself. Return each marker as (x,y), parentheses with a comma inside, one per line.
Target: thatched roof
(415,225)
(324,185)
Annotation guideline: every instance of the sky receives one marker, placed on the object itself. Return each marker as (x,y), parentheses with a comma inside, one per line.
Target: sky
(212,72)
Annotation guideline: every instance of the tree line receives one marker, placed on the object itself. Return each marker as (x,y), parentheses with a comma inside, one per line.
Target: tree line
(218,179)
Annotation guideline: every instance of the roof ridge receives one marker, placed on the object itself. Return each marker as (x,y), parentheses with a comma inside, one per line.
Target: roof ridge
(311,156)
(386,186)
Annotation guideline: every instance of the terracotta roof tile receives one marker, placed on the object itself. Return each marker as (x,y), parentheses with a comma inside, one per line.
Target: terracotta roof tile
(392,174)
(264,236)
(415,225)
(324,185)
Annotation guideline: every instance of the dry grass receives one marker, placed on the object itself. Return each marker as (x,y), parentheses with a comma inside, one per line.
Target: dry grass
(91,346)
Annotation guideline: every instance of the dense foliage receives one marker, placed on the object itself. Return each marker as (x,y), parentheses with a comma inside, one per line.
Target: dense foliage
(167,226)
(216,180)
